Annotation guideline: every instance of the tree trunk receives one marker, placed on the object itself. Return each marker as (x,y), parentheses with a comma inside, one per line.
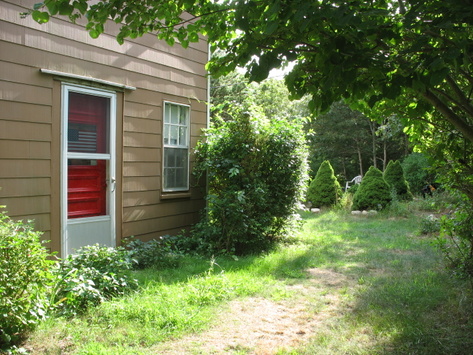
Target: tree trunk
(360,160)
(373,141)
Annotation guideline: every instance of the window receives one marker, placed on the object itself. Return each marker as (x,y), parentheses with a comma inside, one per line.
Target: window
(176,147)
(88,154)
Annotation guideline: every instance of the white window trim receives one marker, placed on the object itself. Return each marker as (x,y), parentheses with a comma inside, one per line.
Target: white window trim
(188,136)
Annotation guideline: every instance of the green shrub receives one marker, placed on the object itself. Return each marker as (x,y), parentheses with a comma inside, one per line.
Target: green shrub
(353,188)
(257,174)
(154,253)
(324,190)
(92,275)
(456,238)
(416,171)
(394,176)
(430,224)
(24,278)
(373,192)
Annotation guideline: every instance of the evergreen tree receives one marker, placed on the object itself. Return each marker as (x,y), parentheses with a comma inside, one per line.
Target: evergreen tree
(324,190)
(394,176)
(373,192)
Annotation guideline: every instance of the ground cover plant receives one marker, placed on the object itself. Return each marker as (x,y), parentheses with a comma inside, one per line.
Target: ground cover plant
(345,284)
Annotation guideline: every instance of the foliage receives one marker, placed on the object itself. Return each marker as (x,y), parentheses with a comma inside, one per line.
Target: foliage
(456,239)
(256,174)
(352,141)
(430,224)
(89,277)
(324,190)
(235,90)
(416,170)
(370,51)
(154,253)
(24,278)
(373,192)
(394,176)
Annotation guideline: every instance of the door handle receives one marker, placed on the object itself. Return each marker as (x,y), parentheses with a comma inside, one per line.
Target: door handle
(113,181)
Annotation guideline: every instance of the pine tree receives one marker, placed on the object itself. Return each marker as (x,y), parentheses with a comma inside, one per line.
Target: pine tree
(394,176)
(324,190)
(373,193)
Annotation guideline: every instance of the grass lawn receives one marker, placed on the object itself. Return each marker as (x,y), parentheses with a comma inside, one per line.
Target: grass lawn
(344,285)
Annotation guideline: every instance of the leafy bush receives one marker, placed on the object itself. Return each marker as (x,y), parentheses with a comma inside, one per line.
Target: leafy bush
(394,176)
(456,238)
(430,224)
(257,174)
(373,192)
(324,190)
(416,170)
(92,275)
(154,253)
(24,278)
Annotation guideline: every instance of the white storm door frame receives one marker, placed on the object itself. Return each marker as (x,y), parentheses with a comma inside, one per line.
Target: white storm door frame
(110,157)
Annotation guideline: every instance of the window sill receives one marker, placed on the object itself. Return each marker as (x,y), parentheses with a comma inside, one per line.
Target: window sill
(175,195)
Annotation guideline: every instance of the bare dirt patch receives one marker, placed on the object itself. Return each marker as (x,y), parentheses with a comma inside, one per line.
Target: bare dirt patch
(261,326)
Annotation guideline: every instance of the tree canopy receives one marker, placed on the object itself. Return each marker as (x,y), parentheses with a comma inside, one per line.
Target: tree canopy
(372,52)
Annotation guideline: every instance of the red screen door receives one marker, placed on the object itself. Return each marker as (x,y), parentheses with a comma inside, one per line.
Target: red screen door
(87,136)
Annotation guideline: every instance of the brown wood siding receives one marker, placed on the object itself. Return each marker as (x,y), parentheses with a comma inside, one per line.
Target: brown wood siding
(30,118)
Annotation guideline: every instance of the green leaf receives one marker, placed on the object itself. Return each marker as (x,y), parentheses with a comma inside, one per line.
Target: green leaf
(94,33)
(65,9)
(170,41)
(271,27)
(193,37)
(40,16)
(52,7)
(38,5)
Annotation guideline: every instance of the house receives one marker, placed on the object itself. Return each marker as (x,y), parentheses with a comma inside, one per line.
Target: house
(96,137)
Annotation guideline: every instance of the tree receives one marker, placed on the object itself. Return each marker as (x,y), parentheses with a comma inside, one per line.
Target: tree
(369,51)
(271,95)
(324,190)
(351,141)
(373,192)
(394,176)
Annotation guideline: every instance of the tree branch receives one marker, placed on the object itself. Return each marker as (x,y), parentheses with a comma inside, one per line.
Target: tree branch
(464,102)
(449,115)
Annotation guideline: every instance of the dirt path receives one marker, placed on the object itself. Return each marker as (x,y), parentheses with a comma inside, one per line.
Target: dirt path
(260,326)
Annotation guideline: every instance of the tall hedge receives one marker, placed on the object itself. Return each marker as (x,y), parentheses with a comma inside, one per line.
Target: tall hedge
(394,176)
(373,192)
(256,173)
(324,190)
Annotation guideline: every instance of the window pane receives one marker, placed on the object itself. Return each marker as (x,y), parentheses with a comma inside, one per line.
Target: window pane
(181,158)
(88,123)
(166,134)
(167,113)
(174,136)
(174,114)
(183,136)
(169,178)
(183,116)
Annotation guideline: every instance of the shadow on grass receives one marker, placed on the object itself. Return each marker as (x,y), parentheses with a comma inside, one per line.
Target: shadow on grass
(398,287)
(395,286)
